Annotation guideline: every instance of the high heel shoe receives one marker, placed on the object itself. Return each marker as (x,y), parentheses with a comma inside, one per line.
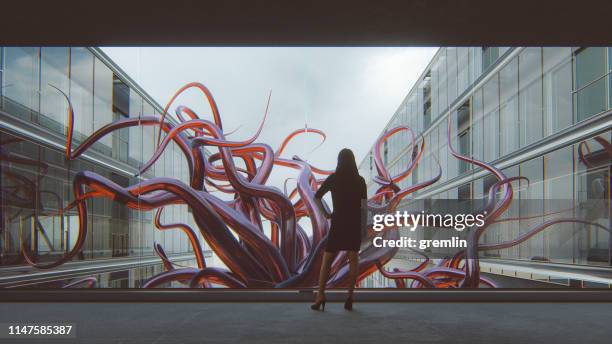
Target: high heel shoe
(348,304)
(319,304)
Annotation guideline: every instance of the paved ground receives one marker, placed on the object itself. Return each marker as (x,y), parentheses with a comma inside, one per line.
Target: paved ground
(523,323)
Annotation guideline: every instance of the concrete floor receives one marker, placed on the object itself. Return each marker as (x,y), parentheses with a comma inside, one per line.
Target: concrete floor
(295,323)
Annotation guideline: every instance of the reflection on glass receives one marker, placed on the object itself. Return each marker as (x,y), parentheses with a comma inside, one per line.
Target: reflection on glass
(463,72)
(559,191)
(508,108)
(558,106)
(442,84)
(54,73)
(103,102)
(491,119)
(530,91)
(477,125)
(590,90)
(451,62)
(21,80)
(593,197)
(531,197)
(489,56)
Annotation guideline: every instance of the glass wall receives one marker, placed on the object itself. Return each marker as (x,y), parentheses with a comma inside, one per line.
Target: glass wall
(490,94)
(452,70)
(591,84)
(81,91)
(21,82)
(54,69)
(463,69)
(571,182)
(530,96)
(40,179)
(103,102)
(508,107)
(557,89)
(533,94)
(443,99)
(489,56)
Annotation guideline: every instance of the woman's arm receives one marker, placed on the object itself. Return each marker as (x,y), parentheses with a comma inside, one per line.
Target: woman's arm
(364,209)
(325,187)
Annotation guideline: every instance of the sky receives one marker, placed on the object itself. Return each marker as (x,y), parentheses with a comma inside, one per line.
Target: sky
(350,93)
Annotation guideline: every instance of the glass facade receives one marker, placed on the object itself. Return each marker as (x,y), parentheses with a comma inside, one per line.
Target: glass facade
(36,177)
(505,105)
(21,81)
(54,72)
(591,82)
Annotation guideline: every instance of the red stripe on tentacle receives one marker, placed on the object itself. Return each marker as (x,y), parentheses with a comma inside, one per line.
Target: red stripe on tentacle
(159,250)
(191,235)
(209,97)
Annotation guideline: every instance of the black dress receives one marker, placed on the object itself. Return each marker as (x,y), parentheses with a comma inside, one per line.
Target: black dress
(347,191)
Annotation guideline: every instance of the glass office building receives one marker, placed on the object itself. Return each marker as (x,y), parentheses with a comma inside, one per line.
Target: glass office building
(37,179)
(543,113)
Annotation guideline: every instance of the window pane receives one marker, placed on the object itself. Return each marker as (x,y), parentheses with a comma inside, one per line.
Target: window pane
(135,135)
(414,117)
(460,134)
(590,92)
(475,63)
(489,56)
(462,69)
(81,91)
(434,87)
(509,230)
(148,136)
(419,109)
(443,150)
(559,195)
(451,62)
(593,198)
(530,90)
(508,111)
(21,82)
(453,162)
(477,125)
(147,109)
(531,204)
(121,110)
(491,119)
(428,158)
(426,101)
(558,106)
(442,85)
(103,102)
(54,72)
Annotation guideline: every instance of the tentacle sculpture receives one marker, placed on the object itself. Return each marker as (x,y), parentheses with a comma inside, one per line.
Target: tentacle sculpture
(289,256)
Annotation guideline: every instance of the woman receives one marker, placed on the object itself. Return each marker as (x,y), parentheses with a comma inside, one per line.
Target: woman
(348,191)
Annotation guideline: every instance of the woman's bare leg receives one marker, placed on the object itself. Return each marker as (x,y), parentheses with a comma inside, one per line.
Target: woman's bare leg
(328,258)
(353,257)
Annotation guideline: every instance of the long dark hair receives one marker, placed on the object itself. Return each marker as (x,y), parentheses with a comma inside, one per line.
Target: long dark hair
(346,164)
